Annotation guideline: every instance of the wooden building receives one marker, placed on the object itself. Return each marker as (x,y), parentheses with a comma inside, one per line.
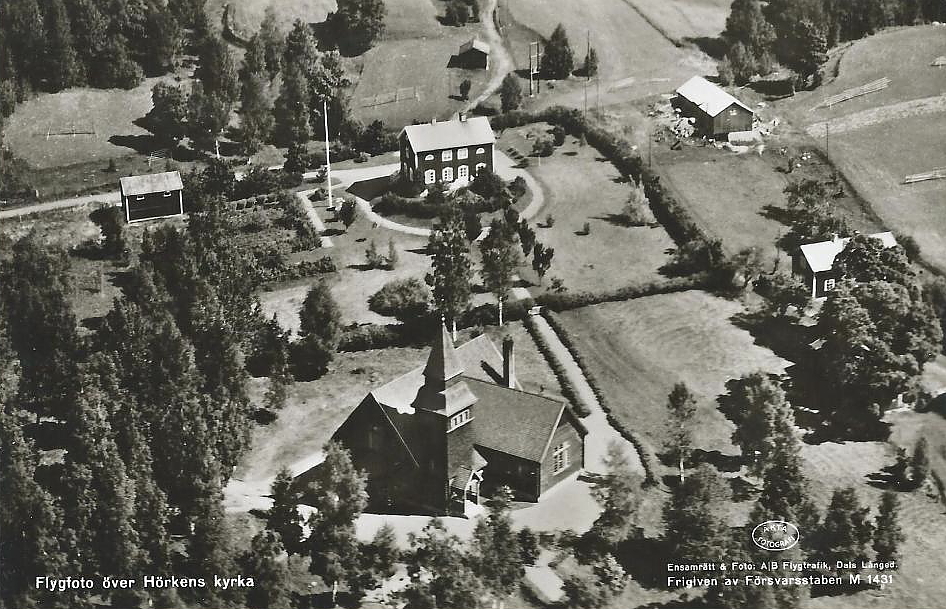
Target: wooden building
(716,112)
(437,439)
(446,151)
(814,262)
(156,195)
(473,54)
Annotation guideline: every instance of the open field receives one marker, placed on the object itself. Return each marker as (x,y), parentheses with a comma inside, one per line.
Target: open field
(640,348)
(109,113)
(729,194)
(875,159)
(901,54)
(683,19)
(246,15)
(581,187)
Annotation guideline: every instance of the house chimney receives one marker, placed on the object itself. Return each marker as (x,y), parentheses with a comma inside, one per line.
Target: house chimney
(433,121)
(835,237)
(509,364)
(463,117)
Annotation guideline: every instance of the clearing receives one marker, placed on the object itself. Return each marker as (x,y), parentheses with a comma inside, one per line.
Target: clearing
(640,348)
(582,187)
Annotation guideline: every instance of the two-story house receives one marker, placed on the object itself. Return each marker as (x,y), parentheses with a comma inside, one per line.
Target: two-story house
(437,438)
(446,151)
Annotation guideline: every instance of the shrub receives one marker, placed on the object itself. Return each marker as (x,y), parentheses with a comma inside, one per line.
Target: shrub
(565,301)
(465,87)
(518,187)
(543,146)
(637,210)
(558,135)
(549,221)
(487,184)
(407,300)
(586,229)
(373,258)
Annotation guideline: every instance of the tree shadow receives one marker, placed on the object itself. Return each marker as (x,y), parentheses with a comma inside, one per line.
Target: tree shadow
(779,214)
(650,573)
(714,46)
(142,144)
(887,479)
(722,462)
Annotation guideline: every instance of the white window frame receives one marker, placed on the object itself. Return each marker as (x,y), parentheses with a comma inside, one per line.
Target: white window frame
(447,174)
(560,458)
(481,151)
(430,176)
(460,419)
(139,198)
(429,157)
(478,167)
(446,155)
(463,172)
(462,153)
(167,193)
(830,284)
(733,112)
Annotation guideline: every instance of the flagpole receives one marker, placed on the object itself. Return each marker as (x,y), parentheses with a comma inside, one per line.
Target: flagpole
(328,162)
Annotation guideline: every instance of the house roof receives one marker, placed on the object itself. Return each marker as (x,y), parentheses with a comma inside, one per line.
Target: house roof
(709,97)
(450,134)
(515,422)
(151,183)
(820,256)
(473,43)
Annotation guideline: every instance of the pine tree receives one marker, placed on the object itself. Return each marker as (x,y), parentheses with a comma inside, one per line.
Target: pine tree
(846,531)
(217,71)
(681,405)
(209,547)
(558,60)
(542,259)
(452,272)
(267,564)
(591,63)
(440,571)
(696,527)
(617,494)
(283,517)
(920,464)
(256,114)
(292,108)
(320,331)
(62,68)
(510,93)
(888,535)
(207,116)
(273,42)
(764,420)
(164,39)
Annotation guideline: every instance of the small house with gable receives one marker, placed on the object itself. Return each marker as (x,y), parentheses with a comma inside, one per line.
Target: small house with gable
(151,196)
(437,439)
(814,262)
(446,151)
(474,54)
(716,112)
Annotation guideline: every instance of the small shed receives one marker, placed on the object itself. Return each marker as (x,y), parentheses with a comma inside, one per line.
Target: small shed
(717,113)
(150,196)
(474,54)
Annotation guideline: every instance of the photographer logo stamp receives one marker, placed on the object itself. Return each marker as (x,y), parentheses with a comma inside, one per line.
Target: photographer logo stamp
(775,535)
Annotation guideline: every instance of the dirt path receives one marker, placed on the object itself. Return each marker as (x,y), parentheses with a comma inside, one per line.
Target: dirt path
(502,60)
(314,217)
(600,432)
(113,198)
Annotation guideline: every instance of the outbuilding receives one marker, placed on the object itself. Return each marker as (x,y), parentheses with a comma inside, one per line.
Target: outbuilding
(716,112)
(150,196)
(474,54)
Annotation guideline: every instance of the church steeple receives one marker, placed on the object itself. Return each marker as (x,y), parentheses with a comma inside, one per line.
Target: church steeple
(442,364)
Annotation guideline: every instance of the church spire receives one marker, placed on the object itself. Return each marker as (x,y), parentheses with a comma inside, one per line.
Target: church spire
(442,364)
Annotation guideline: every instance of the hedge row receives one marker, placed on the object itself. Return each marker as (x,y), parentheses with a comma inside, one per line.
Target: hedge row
(647,455)
(267,200)
(574,300)
(568,390)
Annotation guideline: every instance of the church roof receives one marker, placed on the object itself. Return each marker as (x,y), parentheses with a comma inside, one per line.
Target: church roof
(443,363)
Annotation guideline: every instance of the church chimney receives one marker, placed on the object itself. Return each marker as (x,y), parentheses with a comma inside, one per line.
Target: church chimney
(509,364)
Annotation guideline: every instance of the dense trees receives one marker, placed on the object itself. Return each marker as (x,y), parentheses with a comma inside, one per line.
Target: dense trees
(697,530)
(360,23)
(764,420)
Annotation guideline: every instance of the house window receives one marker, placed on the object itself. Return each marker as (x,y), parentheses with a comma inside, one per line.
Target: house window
(430,176)
(479,166)
(560,458)
(829,284)
(374,438)
(463,172)
(447,174)
(461,418)
(480,151)
(733,112)
(140,198)
(429,157)
(167,193)
(462,153)
(446,155)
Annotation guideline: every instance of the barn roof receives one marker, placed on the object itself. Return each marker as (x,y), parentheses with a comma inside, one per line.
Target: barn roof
(450,134)
(820,256)
(709,97)
(473,43)
(151,183)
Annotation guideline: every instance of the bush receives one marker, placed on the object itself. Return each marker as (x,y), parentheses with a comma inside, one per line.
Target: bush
(377,336)
(565,301)
(558,135)
(487,184)
(407,300)
(543,146)
(518,187)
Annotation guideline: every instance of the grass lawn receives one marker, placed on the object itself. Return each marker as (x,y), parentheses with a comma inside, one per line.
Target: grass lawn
(683,19)
(640,348)
(109,113)
(581,187)
(876,158)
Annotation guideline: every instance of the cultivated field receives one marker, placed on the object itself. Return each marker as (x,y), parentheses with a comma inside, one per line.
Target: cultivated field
(638,349)
(582,187)
(875,159)
(685,19)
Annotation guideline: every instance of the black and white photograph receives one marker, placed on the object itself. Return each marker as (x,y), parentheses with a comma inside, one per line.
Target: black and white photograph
(472,304)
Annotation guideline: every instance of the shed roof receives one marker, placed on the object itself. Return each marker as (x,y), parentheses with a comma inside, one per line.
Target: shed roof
(450,134)
(820,256)
(473,43)
(709,97)
(151,183)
